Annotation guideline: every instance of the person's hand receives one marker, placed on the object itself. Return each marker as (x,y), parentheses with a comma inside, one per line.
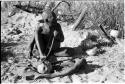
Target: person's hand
(55,33)
(42,57)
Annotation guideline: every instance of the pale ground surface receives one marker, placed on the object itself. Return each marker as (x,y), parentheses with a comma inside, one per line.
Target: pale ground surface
(104,68)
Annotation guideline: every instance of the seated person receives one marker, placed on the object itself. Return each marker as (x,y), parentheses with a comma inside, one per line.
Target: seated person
(47,29)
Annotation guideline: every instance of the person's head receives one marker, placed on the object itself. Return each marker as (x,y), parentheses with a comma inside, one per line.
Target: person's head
(47,17)
(46,20)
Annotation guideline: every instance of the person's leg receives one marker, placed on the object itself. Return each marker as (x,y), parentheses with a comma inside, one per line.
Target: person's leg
(55,46)
(40,42)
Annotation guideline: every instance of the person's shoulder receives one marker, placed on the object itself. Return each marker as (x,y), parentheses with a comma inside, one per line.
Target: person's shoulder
(58,24)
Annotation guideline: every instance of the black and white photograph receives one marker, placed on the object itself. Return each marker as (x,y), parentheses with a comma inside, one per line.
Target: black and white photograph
(62,41)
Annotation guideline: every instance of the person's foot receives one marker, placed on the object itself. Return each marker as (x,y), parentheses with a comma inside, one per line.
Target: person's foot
(42,58)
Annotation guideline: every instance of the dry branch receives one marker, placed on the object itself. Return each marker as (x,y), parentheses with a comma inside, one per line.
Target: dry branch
(81,17)
(59,4)
(106,34)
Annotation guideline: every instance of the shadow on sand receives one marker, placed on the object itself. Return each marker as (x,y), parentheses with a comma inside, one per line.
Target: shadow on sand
(88,68)
(6,50)
(80,51)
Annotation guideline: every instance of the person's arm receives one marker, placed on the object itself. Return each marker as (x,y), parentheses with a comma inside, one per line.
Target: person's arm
(60,36)
(30,47)
(39,41)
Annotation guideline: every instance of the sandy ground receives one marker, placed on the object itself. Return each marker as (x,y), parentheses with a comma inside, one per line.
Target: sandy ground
(104,68)
(107,67)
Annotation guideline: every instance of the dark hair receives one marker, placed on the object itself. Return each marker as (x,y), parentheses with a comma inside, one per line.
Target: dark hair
(53,14)
(54,17)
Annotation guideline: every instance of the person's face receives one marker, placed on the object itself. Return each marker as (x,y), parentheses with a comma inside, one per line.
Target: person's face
(45,21)
(47,18)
